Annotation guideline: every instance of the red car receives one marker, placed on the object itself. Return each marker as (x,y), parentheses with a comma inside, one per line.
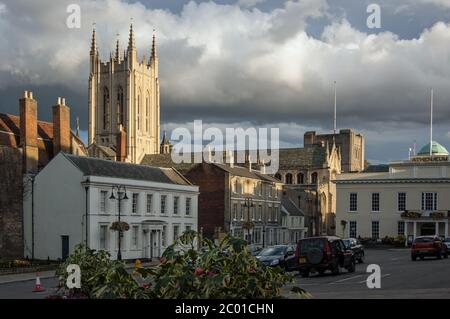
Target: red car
(428,246)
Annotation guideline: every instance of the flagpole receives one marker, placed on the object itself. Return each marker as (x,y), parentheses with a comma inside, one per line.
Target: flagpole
(431,123)
(335,103)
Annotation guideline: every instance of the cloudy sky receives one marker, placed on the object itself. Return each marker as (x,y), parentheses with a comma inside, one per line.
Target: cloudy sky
(263,63)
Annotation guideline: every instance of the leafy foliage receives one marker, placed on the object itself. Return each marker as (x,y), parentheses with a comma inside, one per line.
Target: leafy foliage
(226,270)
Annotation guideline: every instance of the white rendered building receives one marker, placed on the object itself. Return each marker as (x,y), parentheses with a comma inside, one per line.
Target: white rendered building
(161,205)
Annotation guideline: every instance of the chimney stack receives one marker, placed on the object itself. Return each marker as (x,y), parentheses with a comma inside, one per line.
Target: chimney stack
(28,132)
(61,127)
(121,149)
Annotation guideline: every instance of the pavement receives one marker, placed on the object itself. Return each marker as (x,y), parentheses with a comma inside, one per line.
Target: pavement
(401,278)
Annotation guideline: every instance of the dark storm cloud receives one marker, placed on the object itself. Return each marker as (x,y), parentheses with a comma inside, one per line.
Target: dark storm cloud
(258,62)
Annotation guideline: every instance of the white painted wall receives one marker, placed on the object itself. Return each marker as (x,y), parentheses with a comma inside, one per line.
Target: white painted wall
(60,210)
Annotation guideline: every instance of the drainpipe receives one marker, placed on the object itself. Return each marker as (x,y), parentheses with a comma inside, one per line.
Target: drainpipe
(86,187)
(32,217)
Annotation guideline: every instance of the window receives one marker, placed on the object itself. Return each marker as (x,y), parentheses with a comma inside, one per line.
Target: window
(401,202)
(353,229)
(278,176)
(401,228)
(176,230)
(314,178)
(188,227)
(429,201)
(353,202)
(375,202)
(135,203)
(149,203)
(241,217)
(103,237)
(259,212)
(120,105)
(135,237)
(260,189)
(175,205)
(163,204)
(103,197)
(275,213)
(375,229)
(235,208)
(236,186)
(269,213)
(188,206)
(300,178)
(105,107)
(288,178)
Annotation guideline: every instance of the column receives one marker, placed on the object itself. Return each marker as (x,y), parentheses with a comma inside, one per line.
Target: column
(437,229)
(406,233)
(446,229)
(159,242)
(415,230)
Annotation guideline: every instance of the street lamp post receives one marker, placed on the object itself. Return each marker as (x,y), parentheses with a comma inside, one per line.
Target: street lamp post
(121,195)
(249,204)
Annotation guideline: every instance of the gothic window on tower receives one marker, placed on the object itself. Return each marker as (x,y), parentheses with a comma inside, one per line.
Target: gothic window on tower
(139,111)
(120,105)
(105,107)
(147,112)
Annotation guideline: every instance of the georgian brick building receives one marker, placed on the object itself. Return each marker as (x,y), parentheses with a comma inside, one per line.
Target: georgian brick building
(26,146)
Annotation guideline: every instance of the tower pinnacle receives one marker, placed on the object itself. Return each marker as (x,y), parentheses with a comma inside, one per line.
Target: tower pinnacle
(131,41)
(94,41)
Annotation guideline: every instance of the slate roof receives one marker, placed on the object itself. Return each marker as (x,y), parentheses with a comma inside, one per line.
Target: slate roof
(306,157)
(290,206)
(91,166)
(245,172)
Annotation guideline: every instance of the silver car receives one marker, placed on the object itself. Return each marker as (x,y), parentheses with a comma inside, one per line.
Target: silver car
(447,242)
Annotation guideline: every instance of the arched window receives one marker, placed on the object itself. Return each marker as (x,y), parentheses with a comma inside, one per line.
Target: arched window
(278,176)
(105,107)
(314,178)
(288,178)
(147,112)
(300,178)
(120,105)
(139,110)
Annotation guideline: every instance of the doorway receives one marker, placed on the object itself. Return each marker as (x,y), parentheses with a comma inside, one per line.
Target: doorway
(428,229)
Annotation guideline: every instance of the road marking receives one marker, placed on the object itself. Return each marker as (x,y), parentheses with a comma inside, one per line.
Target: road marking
(382,276)
(345,279)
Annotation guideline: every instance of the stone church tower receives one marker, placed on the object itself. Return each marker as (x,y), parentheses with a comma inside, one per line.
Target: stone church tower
(124,102)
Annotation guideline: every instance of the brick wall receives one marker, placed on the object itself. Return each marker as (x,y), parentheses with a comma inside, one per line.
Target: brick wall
(211,201)
(11,209)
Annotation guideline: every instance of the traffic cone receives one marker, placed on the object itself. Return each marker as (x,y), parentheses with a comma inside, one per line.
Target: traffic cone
(38,287)
(137,264)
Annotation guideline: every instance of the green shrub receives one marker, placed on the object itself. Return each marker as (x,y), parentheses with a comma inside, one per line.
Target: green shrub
(227,270)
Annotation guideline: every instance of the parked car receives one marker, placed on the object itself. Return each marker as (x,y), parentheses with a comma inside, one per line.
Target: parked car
(279,256)
(324,253)
(355,245)
(447,243)
(254,249)
(424,246)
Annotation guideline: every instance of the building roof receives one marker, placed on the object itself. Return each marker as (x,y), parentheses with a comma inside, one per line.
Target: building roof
(165,160)
(290,207)
(10,136)
(308,157)
(91,166)
(377,168)
(245,172)
(436,148)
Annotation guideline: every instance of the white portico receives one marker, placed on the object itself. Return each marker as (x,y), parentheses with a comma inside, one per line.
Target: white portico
(82,200)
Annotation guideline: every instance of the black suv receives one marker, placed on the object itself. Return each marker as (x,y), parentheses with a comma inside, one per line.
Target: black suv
(324,253)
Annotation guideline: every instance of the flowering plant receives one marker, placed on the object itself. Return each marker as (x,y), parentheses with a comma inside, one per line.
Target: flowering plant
(120,226)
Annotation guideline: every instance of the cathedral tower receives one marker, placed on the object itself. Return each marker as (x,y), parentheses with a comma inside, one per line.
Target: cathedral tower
(124,95)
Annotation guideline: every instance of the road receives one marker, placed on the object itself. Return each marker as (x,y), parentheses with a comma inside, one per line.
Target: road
(400,278)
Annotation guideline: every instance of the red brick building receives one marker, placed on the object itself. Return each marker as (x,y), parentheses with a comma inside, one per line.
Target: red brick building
(26,146)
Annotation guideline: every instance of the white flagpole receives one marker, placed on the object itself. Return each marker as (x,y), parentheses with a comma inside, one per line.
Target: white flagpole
(431,123)
(335,103)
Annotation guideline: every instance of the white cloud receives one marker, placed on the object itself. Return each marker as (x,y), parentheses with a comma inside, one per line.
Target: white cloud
(229,63)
